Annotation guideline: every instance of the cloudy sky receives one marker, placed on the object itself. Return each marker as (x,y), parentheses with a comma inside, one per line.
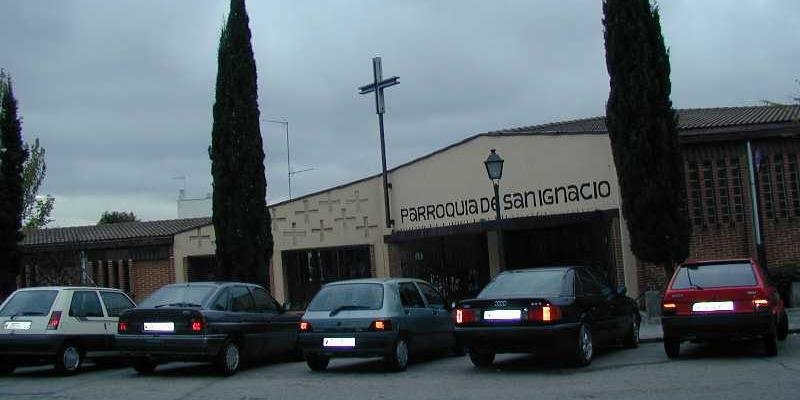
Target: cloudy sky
(120,92)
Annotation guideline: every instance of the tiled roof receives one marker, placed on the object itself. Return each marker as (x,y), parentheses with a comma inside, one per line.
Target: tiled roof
(112,232)
(688,119)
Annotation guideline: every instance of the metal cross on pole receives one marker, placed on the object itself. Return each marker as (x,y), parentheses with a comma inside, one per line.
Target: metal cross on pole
(377,86)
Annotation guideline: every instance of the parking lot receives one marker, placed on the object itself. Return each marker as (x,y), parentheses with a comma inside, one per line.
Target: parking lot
(731,371)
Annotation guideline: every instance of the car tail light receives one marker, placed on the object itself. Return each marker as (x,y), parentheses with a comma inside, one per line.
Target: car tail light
(381,325)
(197,325)
(668,308)
(464,315)
(305,326)
(55,321)
(760,303)
(545,313)
(122,326)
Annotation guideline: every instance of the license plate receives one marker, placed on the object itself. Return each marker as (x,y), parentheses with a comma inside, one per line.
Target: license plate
(24,325)
(713,306)
(159,327)
(339,342)
(502,315)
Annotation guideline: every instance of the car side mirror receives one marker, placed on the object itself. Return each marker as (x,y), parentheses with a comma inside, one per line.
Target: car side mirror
(622,290)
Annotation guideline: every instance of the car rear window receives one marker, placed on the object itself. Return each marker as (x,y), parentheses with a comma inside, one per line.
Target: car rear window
(528,284)
(29,303)
(359,296)
(714,275)
(179,296)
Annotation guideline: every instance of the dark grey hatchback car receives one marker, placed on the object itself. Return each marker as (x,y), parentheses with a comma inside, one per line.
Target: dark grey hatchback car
(390,318)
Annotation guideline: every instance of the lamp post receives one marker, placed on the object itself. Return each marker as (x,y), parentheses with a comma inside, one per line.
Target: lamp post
(494,169)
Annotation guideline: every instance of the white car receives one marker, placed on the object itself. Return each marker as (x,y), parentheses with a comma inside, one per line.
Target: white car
(59,325)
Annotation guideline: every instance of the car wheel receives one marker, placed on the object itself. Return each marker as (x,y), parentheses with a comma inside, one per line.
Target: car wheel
(68,359)
(672,347)
(771,343)
(317,362)
(481,358)
(145,366)
(584,349)
(229,358)
(398,360)
(783,327)
(631,340)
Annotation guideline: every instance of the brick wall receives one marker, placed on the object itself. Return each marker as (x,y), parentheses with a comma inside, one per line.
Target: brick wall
(147,276)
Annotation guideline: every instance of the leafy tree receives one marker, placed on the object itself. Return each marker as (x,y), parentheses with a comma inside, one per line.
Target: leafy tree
(114,217)
(241,220)
(36,208)
(642,126)
(12,157)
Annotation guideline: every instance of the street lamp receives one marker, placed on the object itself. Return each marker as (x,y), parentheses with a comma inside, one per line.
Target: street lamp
(494,169)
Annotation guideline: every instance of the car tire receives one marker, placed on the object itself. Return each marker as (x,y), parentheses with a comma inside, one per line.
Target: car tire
(584,346)
(317,363)
(481,358)
(229,358)
(7,368)
(68,359)
(145,366)
(771,343)
(631,340)
(783,327)
(672,347)
(398,360)
(458,349)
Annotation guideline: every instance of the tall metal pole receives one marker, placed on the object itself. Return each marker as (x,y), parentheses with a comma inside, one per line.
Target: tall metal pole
(385,178)
(500,245)
(288,160)
(760,253)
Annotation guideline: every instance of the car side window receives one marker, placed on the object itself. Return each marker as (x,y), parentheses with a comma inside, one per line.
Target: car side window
(590,286)
(241,300)
(264,302)
(221,302)
(435,300)
(116,303)
(85,304)
(409,296)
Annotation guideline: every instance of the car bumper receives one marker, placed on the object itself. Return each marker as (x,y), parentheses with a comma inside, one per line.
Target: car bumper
(30,345)
(510,339)
(171,348)
(709,327)
(368,344)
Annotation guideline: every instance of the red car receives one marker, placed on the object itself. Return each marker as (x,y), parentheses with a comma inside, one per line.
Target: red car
(722,300)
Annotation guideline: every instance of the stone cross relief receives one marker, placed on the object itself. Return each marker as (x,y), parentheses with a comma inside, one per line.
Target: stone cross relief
(294,233)
(329,202)
(357,200)
(344,219)
(199,238)
(306,211)
(322,229)
(366,227)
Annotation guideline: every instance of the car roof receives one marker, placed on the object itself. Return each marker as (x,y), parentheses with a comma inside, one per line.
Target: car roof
(211,283)
(376,280)
(548,268)
(68,288)
(720,261)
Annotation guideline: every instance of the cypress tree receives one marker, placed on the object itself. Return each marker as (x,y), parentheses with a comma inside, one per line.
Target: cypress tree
(642,126)
(241,221)
(12,157)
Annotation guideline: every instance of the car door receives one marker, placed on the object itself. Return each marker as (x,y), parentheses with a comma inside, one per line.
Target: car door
(619,309)
(595,304)
(280,328)
(248,323)
(88,321)
(442,336)
(419,319)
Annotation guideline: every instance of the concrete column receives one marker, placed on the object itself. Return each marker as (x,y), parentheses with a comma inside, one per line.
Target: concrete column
(132,276)
(121,274)
(100,280)
(495,263)
(628,260)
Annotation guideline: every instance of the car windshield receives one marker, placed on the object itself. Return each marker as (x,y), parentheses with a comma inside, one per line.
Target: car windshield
(179,296)
(29,303)
(358,296)
(714,275)
(527,284)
